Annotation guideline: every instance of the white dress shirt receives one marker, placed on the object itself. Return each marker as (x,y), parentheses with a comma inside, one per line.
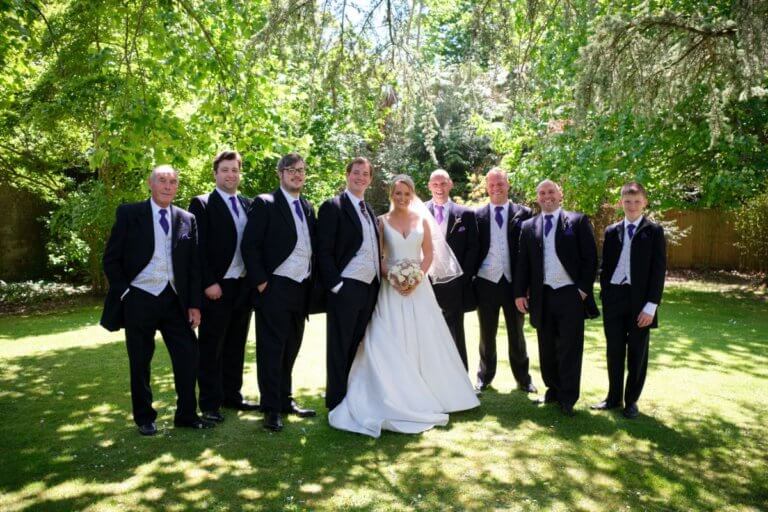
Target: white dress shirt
(298,265)
(496,263)
(622,275)
(555,275)
(159,271)
(236,267)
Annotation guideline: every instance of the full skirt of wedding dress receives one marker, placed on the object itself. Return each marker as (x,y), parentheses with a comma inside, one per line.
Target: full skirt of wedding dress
(407,373)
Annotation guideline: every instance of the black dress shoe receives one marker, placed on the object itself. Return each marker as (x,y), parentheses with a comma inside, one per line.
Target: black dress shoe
(196,423)
(631,411)
(214,416)
(300,411)
(148,429)
(605,405)
(529,388)
(550,397)
(567,410)
(273,421)
(244,405)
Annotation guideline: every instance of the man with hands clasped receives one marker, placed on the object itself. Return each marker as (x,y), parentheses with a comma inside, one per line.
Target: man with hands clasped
(221,217)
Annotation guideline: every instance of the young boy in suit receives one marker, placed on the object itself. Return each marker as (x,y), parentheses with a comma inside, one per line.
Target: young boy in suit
(632,280)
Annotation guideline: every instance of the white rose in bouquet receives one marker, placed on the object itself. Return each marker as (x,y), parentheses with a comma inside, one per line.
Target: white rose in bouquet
(405,274)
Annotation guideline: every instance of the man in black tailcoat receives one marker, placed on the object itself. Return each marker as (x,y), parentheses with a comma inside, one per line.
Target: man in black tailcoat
(226,315)
(498,225)
(459,227)
(151,263)
(278,250)
(554,279)
(631,283)
(348,260)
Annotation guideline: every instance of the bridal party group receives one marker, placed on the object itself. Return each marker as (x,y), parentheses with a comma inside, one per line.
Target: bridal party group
(395,290)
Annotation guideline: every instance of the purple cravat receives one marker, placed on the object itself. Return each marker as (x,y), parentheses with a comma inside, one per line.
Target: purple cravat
(631,231)
(234,206)
(297,207)
(439,215)
(499,218)
(547,225)
(362,209)
(163,221)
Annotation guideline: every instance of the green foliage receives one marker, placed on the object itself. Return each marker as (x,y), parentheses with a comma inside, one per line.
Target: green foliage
(751,222)
(93,94)
(17,295)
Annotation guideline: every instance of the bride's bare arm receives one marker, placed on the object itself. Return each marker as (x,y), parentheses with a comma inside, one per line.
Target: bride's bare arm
(383,261)
(426,248)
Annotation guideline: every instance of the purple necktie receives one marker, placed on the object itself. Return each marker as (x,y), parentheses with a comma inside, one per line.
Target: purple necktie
(297,207)
(362,209)
(439,216)
(499,218)
(547,225)
(631,231)
(234,206)
(163,221)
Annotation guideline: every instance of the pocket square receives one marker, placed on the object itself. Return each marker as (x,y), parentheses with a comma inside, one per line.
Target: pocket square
(461,228)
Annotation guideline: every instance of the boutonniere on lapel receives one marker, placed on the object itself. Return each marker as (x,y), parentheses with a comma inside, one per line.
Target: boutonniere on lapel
(643,235)
(457,226)
(567,228)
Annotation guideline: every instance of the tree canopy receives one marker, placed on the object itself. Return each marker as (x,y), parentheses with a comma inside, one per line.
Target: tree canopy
(591,93)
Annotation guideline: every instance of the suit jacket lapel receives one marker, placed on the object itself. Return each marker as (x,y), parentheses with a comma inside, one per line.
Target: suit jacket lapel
(511,220)
(562,221)
(643,224)
(449,217)
(217,202)
(351,209)
(148,231)
(538,230)
(284,208)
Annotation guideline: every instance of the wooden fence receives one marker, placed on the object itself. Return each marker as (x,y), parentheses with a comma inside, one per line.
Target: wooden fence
(710,243)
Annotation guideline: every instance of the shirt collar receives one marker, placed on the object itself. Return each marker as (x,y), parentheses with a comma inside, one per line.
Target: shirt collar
(156,208)
(504,206)
(353,197)
(288,196)
(225,195)
(636,223)
(555,214)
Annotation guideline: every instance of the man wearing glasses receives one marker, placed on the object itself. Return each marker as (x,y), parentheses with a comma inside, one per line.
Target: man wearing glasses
(278,248)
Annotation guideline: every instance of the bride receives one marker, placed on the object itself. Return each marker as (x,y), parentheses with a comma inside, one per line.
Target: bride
(407,374)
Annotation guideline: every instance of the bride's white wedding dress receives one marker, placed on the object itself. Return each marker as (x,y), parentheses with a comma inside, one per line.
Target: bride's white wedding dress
(407,374)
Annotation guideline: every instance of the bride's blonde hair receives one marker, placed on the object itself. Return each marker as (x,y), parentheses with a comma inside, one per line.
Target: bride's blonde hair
(402,178)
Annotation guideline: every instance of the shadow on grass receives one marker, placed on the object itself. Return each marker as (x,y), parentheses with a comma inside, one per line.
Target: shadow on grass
(702,330)
(72,444)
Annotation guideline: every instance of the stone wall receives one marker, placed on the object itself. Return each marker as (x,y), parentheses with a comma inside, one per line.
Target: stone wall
(22,235)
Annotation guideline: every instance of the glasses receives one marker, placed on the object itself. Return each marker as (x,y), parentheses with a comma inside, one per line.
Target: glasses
(293,171)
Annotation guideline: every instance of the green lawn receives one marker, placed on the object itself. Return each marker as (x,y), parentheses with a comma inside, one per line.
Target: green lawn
(701,442)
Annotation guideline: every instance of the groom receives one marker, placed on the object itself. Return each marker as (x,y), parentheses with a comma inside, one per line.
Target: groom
(348,260)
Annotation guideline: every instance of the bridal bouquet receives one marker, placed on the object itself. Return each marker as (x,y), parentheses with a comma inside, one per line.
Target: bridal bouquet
(405,274)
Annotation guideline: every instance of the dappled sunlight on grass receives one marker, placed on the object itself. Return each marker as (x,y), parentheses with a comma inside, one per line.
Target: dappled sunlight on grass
(699,443)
